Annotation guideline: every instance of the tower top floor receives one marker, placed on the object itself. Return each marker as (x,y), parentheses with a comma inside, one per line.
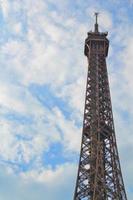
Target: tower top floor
(96,38)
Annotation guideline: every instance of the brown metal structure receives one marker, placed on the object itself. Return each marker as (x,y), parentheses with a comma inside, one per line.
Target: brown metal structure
(99,174)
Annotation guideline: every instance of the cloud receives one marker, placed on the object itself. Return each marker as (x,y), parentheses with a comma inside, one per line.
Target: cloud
(43,47)
(5,7)
(23,189)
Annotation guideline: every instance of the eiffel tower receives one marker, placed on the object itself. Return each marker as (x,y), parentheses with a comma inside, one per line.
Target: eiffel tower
(99,173)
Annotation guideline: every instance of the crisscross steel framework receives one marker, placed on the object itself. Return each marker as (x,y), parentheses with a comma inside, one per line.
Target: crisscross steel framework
(99,173)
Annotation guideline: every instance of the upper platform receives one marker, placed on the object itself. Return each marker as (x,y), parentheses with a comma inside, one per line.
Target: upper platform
(96,41)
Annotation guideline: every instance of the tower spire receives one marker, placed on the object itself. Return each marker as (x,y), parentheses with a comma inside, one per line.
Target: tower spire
(96,24)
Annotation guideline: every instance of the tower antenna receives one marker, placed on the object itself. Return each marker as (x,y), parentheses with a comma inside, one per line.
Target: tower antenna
(96,24)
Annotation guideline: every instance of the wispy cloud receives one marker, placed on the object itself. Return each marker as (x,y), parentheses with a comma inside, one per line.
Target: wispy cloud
(42,87)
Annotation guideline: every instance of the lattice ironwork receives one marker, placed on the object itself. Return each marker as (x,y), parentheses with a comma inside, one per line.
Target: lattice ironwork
(99,174)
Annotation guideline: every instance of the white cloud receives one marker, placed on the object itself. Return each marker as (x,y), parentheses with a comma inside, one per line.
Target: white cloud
(70,133)
(9,98)
(46,127)
(17,28)
(51,54)
(74,95)
(57,184)
(50,176)
(5,7)
(105,20)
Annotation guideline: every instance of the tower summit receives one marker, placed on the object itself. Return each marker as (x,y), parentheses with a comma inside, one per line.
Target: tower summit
(99,172)
(96,24)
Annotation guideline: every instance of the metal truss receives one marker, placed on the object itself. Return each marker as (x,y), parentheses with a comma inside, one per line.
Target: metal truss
(99,173)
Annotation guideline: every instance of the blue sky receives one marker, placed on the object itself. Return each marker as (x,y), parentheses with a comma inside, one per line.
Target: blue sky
(42,87)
